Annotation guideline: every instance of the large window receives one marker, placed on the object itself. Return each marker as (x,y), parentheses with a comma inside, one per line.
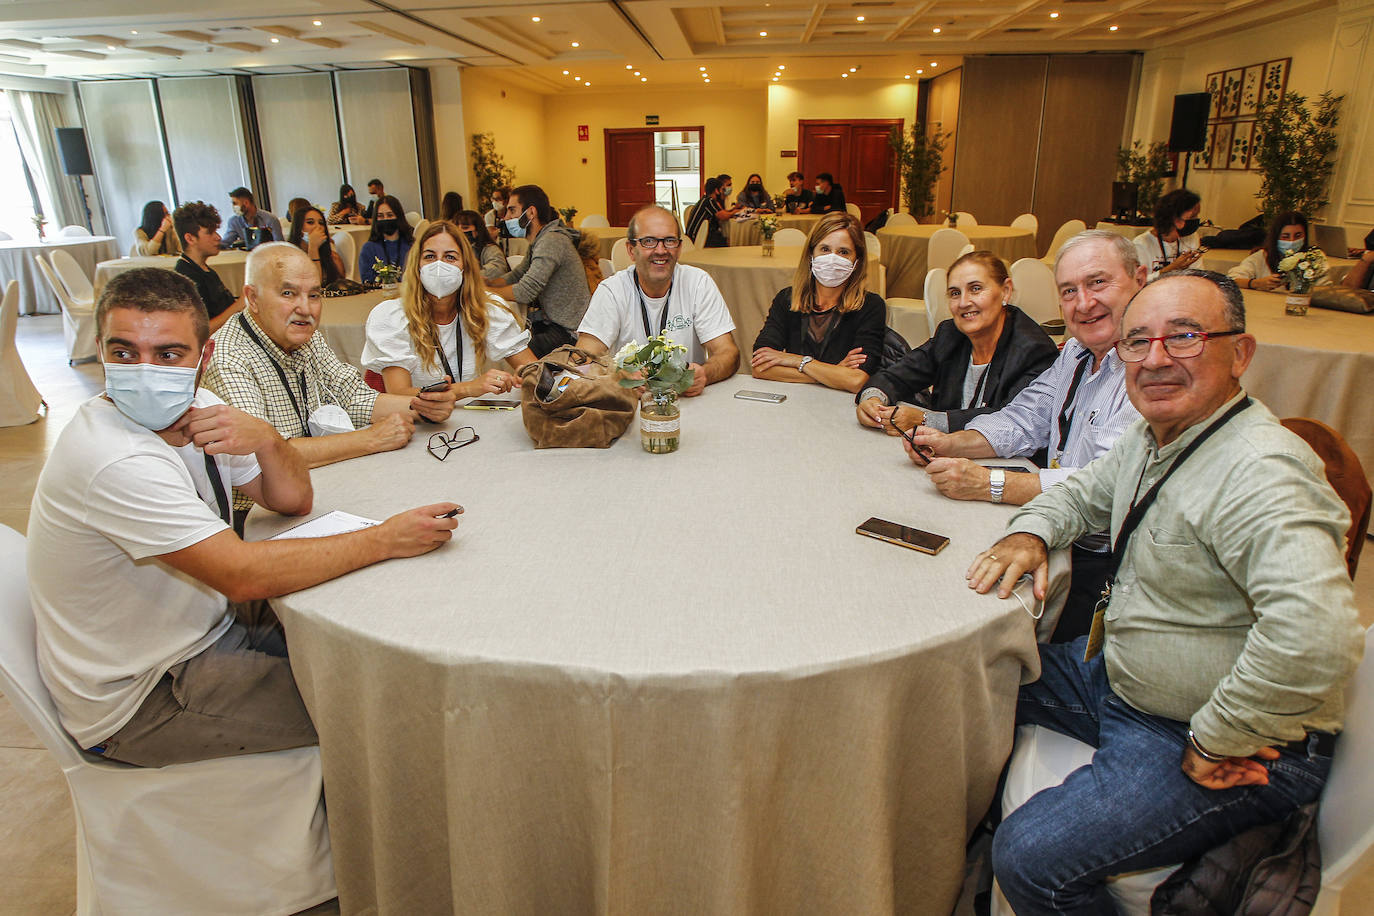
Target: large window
(17,206)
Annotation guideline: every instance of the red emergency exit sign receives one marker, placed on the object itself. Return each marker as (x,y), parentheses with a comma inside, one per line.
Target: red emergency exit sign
(584,132)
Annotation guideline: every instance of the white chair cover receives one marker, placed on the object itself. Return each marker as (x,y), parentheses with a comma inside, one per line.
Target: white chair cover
(514,260)
(901,219)
(875,245)
(72,277)
(19,398)
(1026,221)
(944,247)
(78,321)
(908,318)
(702,232)
(1066,232)
(789,236)
(348,252)
(5,236)
(74,232)
(620,254)
(607,268)
(234,835)
(967,249)
(965,218)
(595,221)
(420,227)
(937,298)
(413,217)
(853,210)
(135,251)
(1034,290)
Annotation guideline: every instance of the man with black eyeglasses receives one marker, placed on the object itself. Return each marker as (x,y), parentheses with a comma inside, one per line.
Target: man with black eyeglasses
(1212,682)
(657,296)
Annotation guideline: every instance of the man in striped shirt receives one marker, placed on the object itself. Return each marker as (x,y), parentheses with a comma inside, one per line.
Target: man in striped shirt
(1074,411)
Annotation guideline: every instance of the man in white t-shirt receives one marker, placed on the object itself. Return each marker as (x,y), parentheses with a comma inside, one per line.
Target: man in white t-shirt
(133,563)
(658,296)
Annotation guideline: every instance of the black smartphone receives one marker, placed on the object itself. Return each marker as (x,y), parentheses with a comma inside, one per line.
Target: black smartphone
(893,533)
(1005,467)
(491,404)
(437,386)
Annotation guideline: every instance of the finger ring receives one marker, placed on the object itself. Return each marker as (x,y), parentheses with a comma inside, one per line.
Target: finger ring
(992,556)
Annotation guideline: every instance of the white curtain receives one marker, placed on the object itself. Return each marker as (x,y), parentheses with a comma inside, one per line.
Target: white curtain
(35,115)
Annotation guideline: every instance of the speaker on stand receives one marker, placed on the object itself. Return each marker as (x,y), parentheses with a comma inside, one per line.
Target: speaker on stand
(1188,129)
(76,161)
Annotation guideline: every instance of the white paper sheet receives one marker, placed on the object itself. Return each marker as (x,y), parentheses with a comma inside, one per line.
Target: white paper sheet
(330,523)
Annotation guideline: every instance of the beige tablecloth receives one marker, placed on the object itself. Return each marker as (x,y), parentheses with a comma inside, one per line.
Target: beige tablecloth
(662,684)
(748,281)
(230,266)
(35,296)
(1126,232)
(802,221)
(905,252)
(343,321)
(1223,259)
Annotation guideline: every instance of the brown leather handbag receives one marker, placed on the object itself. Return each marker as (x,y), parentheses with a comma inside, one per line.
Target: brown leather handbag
(571,399)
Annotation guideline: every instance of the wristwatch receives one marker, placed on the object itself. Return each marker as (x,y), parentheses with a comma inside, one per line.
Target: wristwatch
(997,479)
(801,366)
(1201,751)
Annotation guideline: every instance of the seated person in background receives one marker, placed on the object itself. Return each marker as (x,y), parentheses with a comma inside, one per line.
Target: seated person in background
(273,362)
(427,335)
(389,241)
(1219,687)
(829,196)
(450,206)
(153,636)
(979,359)
(1076,409)
(310,234)
(1172,242)
(489,254)
(659,296)
(1361,275)
(799,196)
(551,281)
(589,251)
(495,218)
(377,194)
(754,197)
(155,234)
(1287,234)
(710,210)
(827,327)
(293,206)
(246,216)
(347,209)
(197,226)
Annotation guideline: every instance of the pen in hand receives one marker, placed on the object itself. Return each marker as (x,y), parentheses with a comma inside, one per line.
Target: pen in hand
(451,513)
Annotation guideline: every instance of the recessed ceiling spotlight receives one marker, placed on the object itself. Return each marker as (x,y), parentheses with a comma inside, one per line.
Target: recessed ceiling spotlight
(577,44)
(133,31)
(577,79)
(587,83)
(1054,15)
(782,66)
(629,66)
(844,76)
(1113,28)
(275,41)
(936,30)
(636,73)
(565,72)
(643,79)
(919,71)
(934,64)
(853,69)
(316,22)
(775,79)
(702,69)
(859,18)
(907,77)
(111,47)
(534,19)
(708,79)
(763,34)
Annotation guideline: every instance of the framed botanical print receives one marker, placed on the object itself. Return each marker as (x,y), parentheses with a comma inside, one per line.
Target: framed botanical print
(1203,158)
(1214,87)
(1221,144)
(1250,90)
(1274,82)
(1230,93)
(1240,145)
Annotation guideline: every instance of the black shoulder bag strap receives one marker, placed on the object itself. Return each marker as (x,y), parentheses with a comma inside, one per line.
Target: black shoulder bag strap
(281,374)
(1065,417)
(217,484)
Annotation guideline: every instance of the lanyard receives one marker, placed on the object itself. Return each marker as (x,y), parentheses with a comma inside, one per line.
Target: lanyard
(448,370)
(1066,418)
(1178,249)
(644,309)
(978,389)
(217,484)
(281,374)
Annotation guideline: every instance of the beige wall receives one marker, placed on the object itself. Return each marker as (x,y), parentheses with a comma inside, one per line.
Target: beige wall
(451,139)
(514,116)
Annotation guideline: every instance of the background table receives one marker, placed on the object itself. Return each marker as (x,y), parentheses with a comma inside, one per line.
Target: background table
(230,265)
(743,232)
(1127,232)
(35,296)
(748,281)
(802,221)
(1223,259)
(642,683)
(343,321)
(905,252)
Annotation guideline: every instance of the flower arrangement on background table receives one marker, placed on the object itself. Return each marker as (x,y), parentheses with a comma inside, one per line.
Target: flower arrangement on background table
(1301,270)
(768,224)
(387,274)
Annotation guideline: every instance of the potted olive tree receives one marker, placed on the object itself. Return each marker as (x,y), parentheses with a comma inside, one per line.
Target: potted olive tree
(1295,146)
(1145,167)
(489,168)
(920,160)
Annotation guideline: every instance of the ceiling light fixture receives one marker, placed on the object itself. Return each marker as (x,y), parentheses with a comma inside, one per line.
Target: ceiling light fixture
(763,34)
(275,41)
(1112,28)
(702,69)
(643,79)
(775,79)
(1054,15)
(316,22)
(907,77)
(708,79)
(534,19)
(629,66)
(565,72)
(859,18)
(934,64)
(587,83)
(936,30)
(919,71)
(844,76)
(636,73)
(111,47)
(853,69)
(577,44)
(133,31)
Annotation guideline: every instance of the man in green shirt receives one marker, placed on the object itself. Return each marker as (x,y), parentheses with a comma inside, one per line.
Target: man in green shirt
(1231,627)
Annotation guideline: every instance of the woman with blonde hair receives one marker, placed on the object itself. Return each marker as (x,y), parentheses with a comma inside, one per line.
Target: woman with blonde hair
(827,327)
(445,326)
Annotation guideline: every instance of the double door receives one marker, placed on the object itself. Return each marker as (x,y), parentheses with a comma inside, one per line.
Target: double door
(858,154)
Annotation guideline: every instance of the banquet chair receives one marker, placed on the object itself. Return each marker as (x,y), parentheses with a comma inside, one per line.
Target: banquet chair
(348,252)
(965,218)
(1064,233)
(875,245)
(1346,476)
(1026,221)
(135,251)
(72,277)
(74,232)
(420,227)
(620,254)
(232,835)
(413,217)
(908,318)
(853,210)
(607,268)
(5,236)
(937,298)
(686,245)
(901,219)
(1043,758)
(78,321)
(702,231)
(514,260)
(1034,289)
(19,398)
(789,236)
(944,246)
(967,249)
(595,221)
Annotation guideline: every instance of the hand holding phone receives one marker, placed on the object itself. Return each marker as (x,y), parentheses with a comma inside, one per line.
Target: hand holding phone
(437,386)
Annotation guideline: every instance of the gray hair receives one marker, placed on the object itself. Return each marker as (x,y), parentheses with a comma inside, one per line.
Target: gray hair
(1124,248)
(1234,313)
(631,234)
(267,261)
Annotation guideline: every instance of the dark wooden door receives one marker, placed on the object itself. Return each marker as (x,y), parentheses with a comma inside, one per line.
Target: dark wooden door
(629,173)
(857,153)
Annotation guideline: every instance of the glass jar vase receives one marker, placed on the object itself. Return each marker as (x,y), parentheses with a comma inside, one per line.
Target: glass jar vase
(767,246)
(660,425)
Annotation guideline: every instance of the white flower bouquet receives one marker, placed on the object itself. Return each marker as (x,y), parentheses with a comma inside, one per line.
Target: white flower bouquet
(659,365)
(1302,268)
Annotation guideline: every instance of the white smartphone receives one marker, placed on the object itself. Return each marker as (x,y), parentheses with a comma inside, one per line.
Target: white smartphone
(766,396)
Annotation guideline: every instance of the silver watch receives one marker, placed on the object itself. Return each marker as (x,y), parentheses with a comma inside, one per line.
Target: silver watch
(801,366)
(997,479)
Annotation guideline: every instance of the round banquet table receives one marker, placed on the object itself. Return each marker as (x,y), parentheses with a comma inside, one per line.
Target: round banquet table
(905,251)
(229,264)
(802,221)
(343,321)
(1121,229)
(35,296)
(748,281)
(1317,366)
(1223,259)
(640,683)
(743,232)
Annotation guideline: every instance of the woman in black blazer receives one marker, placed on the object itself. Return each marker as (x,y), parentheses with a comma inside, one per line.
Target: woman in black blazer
(976,363)
(825,328)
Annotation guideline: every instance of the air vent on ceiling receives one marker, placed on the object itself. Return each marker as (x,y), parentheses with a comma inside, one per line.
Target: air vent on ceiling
(1020,31)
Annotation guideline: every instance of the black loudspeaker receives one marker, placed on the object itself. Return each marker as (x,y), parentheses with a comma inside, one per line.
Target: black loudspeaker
(71,143)
(1188,130)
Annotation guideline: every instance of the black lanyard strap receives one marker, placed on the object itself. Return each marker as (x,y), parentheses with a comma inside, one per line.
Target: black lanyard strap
(281,374)
(1065,417)
(217,484)
(978,390)
(644,309)
(439,348)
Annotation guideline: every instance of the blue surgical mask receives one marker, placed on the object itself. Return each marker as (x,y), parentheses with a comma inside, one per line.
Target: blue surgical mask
(516,230)
(1288,246)
(151,396)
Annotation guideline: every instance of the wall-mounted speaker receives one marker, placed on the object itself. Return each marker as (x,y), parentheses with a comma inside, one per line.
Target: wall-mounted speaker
(71,144)
(1188,130)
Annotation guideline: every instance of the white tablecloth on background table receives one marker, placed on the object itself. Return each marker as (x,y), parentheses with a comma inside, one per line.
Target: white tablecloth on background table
(640,683)
(905,251)
(1223,259)
(802,221)
(743,232)
(343,320)
(35,296)
(230,265)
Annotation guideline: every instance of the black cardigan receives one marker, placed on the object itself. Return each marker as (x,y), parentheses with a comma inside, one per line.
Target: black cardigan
(940,364)
(865,327)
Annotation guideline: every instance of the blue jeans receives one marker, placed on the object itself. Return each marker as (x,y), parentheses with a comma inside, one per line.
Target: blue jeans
(1132,808)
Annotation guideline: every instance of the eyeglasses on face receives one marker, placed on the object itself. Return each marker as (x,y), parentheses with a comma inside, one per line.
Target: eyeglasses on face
(441,445)
(1180,346)
(651,242)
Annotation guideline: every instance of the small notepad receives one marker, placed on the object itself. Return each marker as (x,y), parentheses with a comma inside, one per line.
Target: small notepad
(330,523)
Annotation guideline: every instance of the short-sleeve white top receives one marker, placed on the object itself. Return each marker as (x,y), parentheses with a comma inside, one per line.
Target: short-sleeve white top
(388,342)
(696,312)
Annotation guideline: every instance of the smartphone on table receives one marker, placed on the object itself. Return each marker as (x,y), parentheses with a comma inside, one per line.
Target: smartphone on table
(903,535)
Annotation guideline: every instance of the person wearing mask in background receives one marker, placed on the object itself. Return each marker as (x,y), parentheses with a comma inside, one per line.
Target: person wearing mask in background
(389,241)
(155,234)
(979,359)
(754,197)
(376,194)
(1361,275)
(489,254)
(1171,243)
(292,206)
(798,196)
(248,216)
(197,226)
(827,327)
(1287,235)
(347,209)
(829,196)
(450,206)
(727,187)
(710,211)
(445,325)
(495,218)
(310,234)
(551,281)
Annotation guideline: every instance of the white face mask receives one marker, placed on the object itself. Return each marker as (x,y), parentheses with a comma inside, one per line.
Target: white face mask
(818,190)
(238,208)
(440,278)
(151,396)
(329,419)
(831,270)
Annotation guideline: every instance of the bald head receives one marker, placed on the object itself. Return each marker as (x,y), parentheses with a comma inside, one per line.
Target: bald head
(266,262)
(633,232)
